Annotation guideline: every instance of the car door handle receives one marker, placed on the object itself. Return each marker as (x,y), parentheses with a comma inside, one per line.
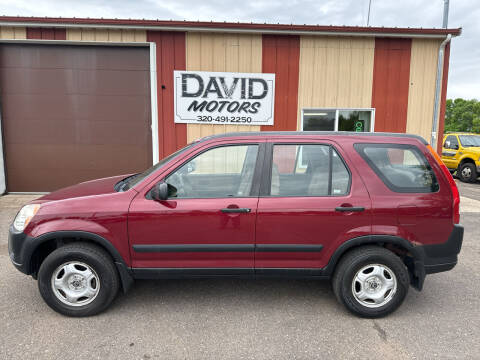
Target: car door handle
(235,210)
(350,208)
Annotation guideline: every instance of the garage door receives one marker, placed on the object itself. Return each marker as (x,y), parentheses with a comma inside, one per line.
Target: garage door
(73,113)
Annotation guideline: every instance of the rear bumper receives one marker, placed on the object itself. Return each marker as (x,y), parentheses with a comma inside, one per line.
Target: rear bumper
(443,257)
(431,259)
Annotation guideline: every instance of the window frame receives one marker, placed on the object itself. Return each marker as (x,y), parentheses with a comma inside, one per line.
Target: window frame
(337,111)
(456,139)
(254,190)
(360,147)
(266,181)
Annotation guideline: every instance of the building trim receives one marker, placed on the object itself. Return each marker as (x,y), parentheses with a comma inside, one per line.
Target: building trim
(154,103)
(198,26)
(443,105)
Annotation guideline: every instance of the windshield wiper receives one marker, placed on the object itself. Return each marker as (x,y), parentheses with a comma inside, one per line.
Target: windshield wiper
(122,184)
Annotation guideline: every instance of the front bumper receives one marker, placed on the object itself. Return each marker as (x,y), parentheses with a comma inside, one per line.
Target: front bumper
(18,250)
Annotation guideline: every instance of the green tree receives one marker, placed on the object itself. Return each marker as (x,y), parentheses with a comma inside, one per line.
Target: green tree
(462,115)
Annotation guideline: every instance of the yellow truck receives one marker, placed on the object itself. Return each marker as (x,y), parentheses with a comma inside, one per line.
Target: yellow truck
(461,153)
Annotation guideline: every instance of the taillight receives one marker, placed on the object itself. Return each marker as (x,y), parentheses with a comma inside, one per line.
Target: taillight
(453,186)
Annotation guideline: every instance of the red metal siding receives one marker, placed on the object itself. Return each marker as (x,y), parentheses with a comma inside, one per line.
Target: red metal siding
(46,33)
(391,76)
(170,56)
(281,55)
(443,104)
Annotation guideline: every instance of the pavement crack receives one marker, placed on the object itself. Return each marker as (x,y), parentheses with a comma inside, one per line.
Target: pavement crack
(381,332)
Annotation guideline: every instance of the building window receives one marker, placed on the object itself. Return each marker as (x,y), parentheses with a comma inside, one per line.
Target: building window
(357,120)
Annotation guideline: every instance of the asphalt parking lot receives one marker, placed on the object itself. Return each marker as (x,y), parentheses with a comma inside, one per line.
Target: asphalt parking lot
(246,319)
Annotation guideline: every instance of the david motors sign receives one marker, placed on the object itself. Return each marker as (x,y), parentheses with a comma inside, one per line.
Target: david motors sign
(224,98)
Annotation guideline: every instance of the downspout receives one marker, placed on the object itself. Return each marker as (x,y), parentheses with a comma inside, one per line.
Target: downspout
(438,89)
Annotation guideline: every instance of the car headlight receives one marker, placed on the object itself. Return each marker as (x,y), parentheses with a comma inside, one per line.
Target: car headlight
(24,216)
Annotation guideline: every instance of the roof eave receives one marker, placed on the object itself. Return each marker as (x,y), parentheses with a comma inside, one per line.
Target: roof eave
(192,26)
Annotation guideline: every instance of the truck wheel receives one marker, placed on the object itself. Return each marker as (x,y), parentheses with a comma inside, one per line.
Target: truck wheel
(78,280)
(467,173)
(371,281)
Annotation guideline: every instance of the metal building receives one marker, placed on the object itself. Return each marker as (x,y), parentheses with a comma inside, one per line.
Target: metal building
(88,98)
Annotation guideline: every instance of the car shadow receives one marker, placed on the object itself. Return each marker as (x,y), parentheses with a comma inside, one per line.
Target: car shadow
(226,292)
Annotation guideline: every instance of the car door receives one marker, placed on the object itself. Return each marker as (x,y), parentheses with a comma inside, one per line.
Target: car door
(207,224)
(450,152)
(311,201)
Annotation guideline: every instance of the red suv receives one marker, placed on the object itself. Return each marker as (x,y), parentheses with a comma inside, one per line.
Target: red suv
(373,212)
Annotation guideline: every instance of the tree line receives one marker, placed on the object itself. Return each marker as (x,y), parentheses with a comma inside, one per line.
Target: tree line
(462,116)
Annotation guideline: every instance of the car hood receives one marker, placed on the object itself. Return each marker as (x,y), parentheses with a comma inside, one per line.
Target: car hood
(87,188)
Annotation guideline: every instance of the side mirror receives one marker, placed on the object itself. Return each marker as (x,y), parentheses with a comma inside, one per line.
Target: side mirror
(160,191)
(447,144)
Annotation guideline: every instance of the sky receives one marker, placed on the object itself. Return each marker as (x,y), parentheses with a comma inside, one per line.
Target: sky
(464,75)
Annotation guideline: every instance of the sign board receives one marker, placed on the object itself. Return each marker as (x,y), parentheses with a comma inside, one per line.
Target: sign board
(359,126)
(203,97)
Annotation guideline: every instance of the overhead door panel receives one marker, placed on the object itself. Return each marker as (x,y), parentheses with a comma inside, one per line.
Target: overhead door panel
(73,113)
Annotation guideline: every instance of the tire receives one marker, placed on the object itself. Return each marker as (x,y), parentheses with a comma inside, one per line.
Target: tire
(78,280)
(467,173)
(385,281)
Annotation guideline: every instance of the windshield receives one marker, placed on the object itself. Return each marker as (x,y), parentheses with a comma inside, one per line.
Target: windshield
(469,140)
(133,180)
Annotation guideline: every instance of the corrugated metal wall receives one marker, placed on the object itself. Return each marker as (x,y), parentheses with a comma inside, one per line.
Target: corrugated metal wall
(117,35)
(281,57)
(391,76)
(13,32)
(335,72)
(421,94)
(222,52)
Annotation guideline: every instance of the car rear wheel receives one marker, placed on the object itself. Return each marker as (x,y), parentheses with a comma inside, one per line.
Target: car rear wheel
(78,280)
(467,173)
(371,281)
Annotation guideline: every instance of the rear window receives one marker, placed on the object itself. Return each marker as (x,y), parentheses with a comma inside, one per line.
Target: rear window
(402,168)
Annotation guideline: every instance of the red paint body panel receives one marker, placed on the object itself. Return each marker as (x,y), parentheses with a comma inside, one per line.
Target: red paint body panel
(47,33)
(391,77)
(95,207)
(281,56)
(421,218)
(191,221)
(100,210)
(441,124)
(170,54)
(312,221)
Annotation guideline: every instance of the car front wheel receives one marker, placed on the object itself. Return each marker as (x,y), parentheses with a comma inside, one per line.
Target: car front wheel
(78,280)
(371,281)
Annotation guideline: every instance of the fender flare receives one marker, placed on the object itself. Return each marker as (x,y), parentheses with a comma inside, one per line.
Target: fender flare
(417,267)
(123,270)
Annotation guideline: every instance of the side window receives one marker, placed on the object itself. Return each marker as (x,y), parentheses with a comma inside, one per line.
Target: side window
(219,172)
(452,142)
(308,170)
(402,168)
